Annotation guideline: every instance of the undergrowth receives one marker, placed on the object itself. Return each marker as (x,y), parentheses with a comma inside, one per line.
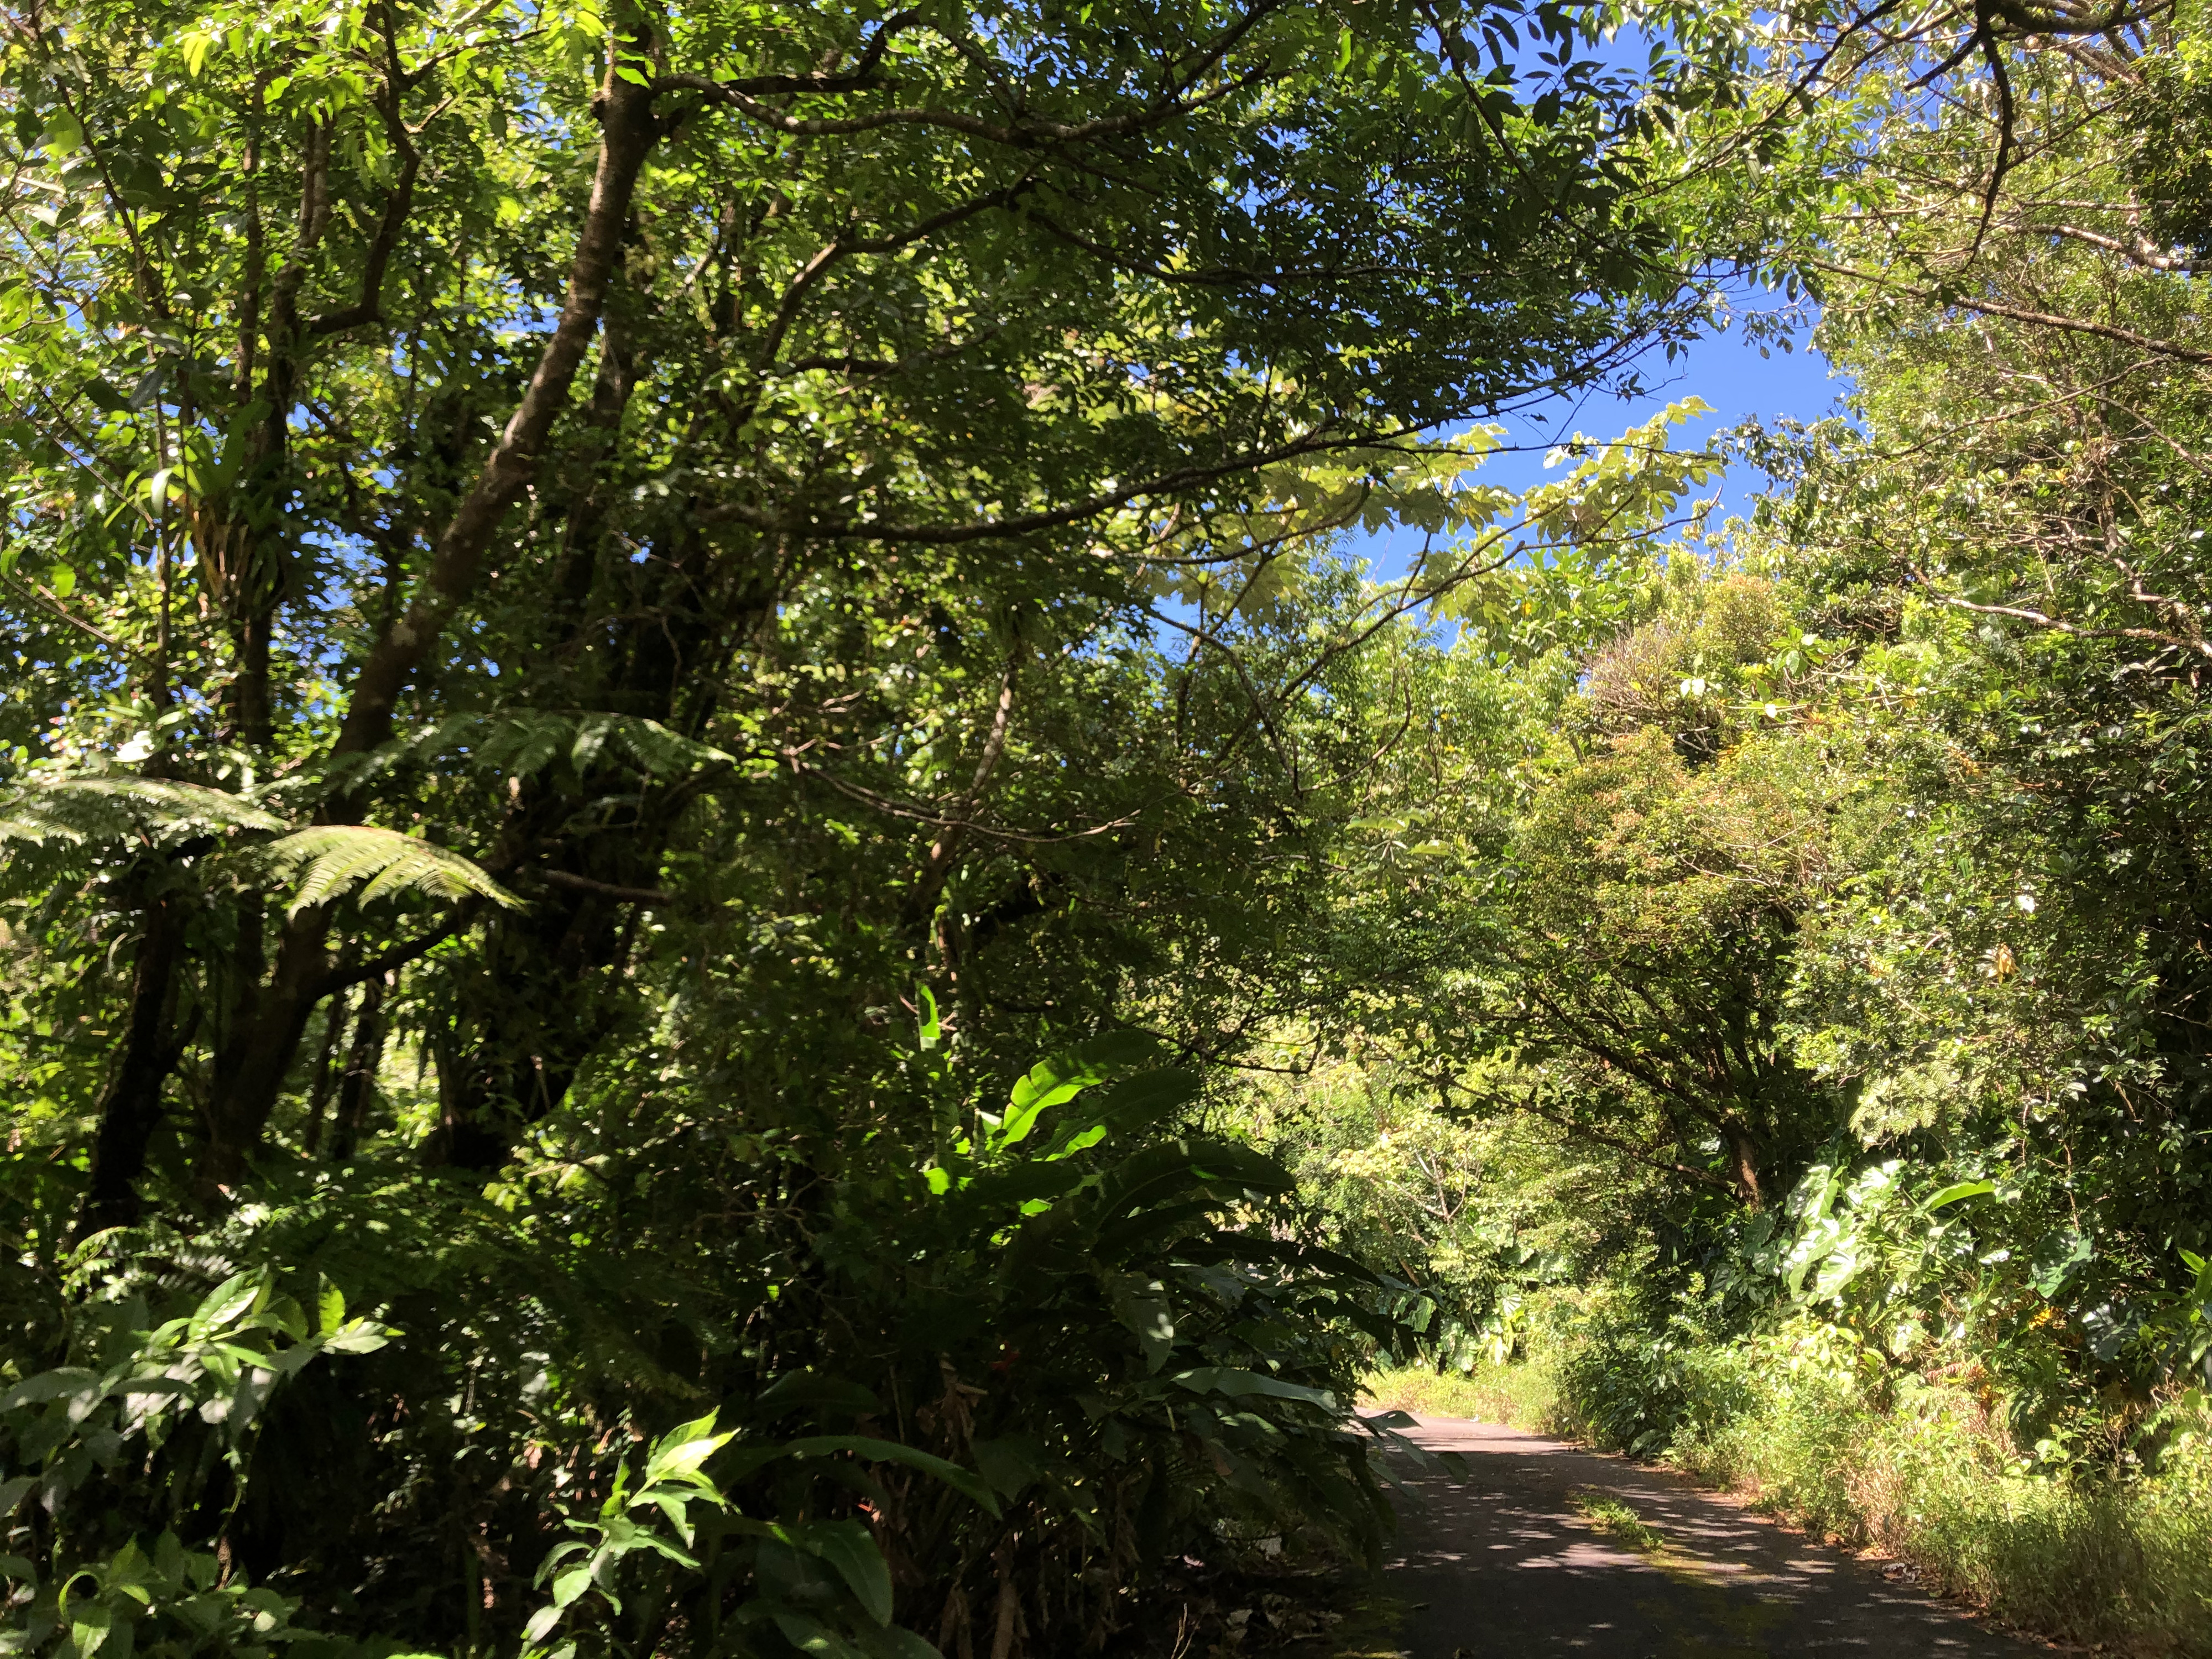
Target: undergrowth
(2102,1553)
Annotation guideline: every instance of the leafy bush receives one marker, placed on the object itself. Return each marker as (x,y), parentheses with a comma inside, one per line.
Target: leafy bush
(153,1429)
(1006,1384)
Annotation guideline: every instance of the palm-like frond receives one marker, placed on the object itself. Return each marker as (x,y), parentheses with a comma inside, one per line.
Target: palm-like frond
(105,807)
(339,856)
(524,742)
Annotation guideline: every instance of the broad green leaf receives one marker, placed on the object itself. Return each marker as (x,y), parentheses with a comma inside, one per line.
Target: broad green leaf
(679,1454)
(540,1625)
(222,1306)
(798,1389)
(849,1548)
(1011,1464)
(1235,1383)
(895,1641)
(1142,1306)
(91,1623)
(814,1638)
(1957,1190)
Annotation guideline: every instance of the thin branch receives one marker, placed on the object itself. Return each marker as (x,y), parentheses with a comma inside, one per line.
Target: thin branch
(2142,254)
(874,366)
(2007,149)
(370,306)
(46,601)
(1024,132)
(2020,315)
(947,844)
(1106,502)
(2059,625)
(1586,1132)
(861,77)
(576,884)
(794,295)
(899,808)
(344,979)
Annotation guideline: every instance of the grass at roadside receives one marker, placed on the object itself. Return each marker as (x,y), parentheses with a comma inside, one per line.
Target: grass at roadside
(1524,1395)
(2102,1557)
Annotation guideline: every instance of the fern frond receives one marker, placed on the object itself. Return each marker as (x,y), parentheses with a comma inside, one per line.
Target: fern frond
(656,750)
(340,856)
(524,742)
(101,807)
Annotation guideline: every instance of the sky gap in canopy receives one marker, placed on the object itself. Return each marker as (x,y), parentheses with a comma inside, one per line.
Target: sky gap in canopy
(1724,367)
(1757,363)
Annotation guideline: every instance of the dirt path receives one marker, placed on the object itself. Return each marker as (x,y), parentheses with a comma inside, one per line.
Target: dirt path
(1508,1565)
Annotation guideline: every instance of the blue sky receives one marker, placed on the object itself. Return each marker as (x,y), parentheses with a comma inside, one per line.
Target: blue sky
(1723,368)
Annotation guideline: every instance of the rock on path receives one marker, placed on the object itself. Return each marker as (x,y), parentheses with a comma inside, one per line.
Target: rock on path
(1505,1565)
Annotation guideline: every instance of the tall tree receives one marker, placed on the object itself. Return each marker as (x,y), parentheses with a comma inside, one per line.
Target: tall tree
(379,373)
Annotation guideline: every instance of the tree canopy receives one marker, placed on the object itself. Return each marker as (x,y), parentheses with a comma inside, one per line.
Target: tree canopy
(715,865)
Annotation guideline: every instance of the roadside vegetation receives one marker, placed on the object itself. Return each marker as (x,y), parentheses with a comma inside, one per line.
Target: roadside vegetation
(1806,1081)
(728,929)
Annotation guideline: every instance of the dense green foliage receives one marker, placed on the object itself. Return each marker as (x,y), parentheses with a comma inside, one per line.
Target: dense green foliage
(682,690)
(1807,1073)
(619,617)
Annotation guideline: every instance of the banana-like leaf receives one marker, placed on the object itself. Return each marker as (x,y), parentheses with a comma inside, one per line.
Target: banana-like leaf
(745,1459)
(1235,1383)
(340,856)
(1957,1190)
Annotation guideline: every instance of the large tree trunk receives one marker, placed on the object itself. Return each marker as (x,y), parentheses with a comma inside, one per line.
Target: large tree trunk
(268,1023)
(252,1061)
(535,1011)
(318,1100)
(131,1110)
(1743,1163)
(539,1002)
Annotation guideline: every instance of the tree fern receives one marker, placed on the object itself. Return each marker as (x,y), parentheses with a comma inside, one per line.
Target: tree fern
(525,742)
(107,807)
(340,856)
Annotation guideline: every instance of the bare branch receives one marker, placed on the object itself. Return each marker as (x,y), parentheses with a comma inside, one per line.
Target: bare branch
(2059,625)
(576,884)
(345,978)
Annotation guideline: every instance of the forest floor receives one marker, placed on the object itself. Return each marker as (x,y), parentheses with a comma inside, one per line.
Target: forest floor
(1546,1548)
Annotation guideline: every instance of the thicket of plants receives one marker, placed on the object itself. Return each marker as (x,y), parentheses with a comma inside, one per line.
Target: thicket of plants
(672,674)
(1831,968)
(684,711)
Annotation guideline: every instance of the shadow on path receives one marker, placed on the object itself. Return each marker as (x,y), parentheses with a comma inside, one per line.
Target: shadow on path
(1504,1566)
